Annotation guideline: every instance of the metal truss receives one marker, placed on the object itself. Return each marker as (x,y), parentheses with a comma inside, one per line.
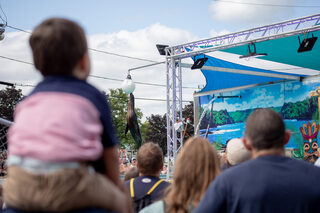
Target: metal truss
(174,111)
(175,54)
(259,34)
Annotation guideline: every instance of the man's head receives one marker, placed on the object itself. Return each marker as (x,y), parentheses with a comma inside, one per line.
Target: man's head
(236,152)
(265,130)
(58,45)
(150,159)
(133,160)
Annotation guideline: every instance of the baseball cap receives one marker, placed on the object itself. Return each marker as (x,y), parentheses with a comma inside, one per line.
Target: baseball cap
(237,152)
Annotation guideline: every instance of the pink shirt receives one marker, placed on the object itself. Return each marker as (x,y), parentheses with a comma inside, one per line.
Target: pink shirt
(56,126)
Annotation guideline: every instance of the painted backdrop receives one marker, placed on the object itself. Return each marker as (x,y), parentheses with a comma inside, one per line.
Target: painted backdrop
(296,101)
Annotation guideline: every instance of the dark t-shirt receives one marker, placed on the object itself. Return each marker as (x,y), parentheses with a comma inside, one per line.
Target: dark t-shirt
(266,184)
(143,184)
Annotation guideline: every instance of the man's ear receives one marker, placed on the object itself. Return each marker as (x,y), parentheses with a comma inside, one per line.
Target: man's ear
(246,142)
(287,136)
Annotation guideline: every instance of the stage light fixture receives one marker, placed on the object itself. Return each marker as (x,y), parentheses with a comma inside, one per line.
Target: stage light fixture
(307,44)
(161,48)
(254,53)
(198,64)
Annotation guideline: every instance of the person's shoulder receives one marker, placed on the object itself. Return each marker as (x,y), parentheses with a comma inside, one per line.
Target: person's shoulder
(304,165)
(156,207)
(237,169)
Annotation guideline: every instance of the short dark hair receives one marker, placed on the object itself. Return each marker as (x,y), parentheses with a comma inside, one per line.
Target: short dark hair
(265,129)
(57,45)
(150,158)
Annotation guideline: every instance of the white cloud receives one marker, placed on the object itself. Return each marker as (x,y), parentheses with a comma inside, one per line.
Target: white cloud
(296,87)
(244,12)
(214,33)
(140,43)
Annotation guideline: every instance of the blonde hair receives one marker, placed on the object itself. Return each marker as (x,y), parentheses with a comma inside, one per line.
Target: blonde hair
(196,167)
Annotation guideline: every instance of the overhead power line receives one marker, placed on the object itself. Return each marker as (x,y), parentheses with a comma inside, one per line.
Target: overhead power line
(268,5)
(93,49)
(30,85)
(16,60)
(137,82)
(15,28)
(5,16)
(101,77)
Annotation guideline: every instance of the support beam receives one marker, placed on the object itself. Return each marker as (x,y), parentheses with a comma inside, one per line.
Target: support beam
(246,72)
(259,34)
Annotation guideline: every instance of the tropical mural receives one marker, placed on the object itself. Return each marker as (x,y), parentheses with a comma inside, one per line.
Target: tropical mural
(222,115)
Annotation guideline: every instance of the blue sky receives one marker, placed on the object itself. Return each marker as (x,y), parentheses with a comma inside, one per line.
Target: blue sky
(199,17)
(133,28)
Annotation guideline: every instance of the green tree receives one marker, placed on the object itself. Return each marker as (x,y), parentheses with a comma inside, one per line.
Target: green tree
(188,112)
(9,97)
(157,131)
(144,128)
(118,101)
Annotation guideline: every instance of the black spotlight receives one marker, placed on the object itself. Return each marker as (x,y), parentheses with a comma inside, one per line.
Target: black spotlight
(198,64)
(307,44)
(254,53)
(161,48)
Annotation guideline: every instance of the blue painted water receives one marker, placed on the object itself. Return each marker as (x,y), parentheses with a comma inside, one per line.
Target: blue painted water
(225,132)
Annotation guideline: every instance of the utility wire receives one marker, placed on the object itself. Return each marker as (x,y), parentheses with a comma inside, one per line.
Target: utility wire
(15,28)
(101,77)
(268,5)
(119,55)
(137,82)
(30,85)
(4,16)
(93,49)
(16,60)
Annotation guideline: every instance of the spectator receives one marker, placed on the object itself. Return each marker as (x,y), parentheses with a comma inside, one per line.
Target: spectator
(133,162)
(149,164)
(235,153)
(131,173)
(270,182)
(197,165)
(164,170)
(61,127)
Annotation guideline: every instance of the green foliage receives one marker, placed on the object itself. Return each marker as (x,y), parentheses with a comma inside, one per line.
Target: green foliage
(218,146)
(157,129)
(241,115)
(9,97)
(222,117)
(144,128)
(303,110)
(118,101)
(216,118)
(187,112)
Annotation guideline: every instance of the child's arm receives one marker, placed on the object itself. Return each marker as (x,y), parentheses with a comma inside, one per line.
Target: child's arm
(111,163)
(110,158)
